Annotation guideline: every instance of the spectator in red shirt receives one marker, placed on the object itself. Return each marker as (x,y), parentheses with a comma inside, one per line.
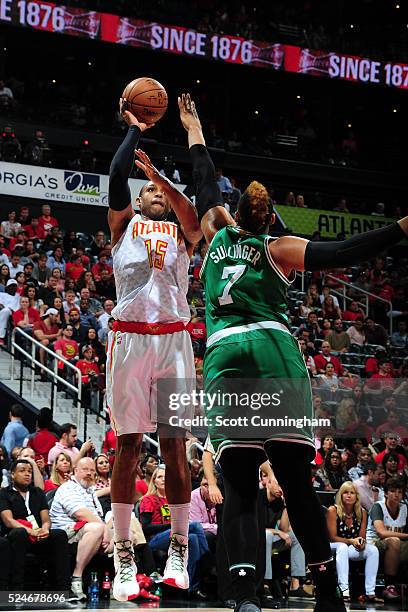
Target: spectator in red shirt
(391,441)
(109,445)
(371,365)
(393,423)
(326,357)
(353,312)
(46,222)
(197,329)
(33,229)
(101,265)
(74,268)
(66,347)
(44,439)
(19,240)
(89,368)
(46,331)
(383,379)
(25,317)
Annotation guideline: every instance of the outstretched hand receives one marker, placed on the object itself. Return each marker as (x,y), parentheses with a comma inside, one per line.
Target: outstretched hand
(144,163)
(188,113)
(130,117)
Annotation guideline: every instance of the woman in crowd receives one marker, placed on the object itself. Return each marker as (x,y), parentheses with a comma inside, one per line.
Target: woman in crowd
(306,306)
(313,292)
(102,481)
(71,284)
(31,291)
(333,473)
(329,309)
(20,278)
(346,415)
(56,273)
(58,305)
(326,328)
(61,471)
(347,525)
(9,228)
(56,260)
(4,275)
(92,339)
(329,380)
(390,464)
(87,280)
(155,519)
(327,442)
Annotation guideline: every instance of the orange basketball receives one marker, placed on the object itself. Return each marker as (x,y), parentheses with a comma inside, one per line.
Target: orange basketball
(147,99)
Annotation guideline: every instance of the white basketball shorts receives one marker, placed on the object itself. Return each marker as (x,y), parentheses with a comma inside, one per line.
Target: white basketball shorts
(142,371)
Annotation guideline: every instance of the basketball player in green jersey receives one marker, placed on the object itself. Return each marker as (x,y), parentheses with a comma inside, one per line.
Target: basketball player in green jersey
(246,273)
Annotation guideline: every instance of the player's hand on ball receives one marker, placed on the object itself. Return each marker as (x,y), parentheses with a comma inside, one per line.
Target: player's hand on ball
(130,118)
(188,113)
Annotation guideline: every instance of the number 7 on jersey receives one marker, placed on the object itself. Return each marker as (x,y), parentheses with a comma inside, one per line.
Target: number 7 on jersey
(237,272)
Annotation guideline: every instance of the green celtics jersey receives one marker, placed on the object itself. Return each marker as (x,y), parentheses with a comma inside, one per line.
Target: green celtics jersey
(242,282)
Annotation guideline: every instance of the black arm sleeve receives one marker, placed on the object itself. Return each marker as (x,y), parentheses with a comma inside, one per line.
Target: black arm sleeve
(150,529)
(207,192)
(325,255)
(120,168)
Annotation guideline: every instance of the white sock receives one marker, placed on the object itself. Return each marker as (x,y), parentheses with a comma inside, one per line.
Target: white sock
(179,518)
(121,521)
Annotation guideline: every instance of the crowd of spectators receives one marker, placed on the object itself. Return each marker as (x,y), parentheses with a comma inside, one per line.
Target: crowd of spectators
(62,292)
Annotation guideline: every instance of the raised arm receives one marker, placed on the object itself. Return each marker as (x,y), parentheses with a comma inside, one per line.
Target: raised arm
(292,253)
(211,212)
(182,206)
(120,200)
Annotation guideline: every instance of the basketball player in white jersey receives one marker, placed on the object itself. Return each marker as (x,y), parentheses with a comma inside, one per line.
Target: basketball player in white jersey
(149,342)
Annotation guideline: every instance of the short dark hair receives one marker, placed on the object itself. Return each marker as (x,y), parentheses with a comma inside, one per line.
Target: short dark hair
(146,459)
(44,418)
(394,483)
(16,462)
(370,466)
(17,410)
(65,428)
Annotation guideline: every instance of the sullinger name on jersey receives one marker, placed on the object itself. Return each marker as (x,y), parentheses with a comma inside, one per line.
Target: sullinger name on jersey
(236,251)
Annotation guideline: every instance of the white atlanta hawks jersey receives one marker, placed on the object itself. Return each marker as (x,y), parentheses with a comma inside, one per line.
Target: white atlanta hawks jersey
(150,264)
